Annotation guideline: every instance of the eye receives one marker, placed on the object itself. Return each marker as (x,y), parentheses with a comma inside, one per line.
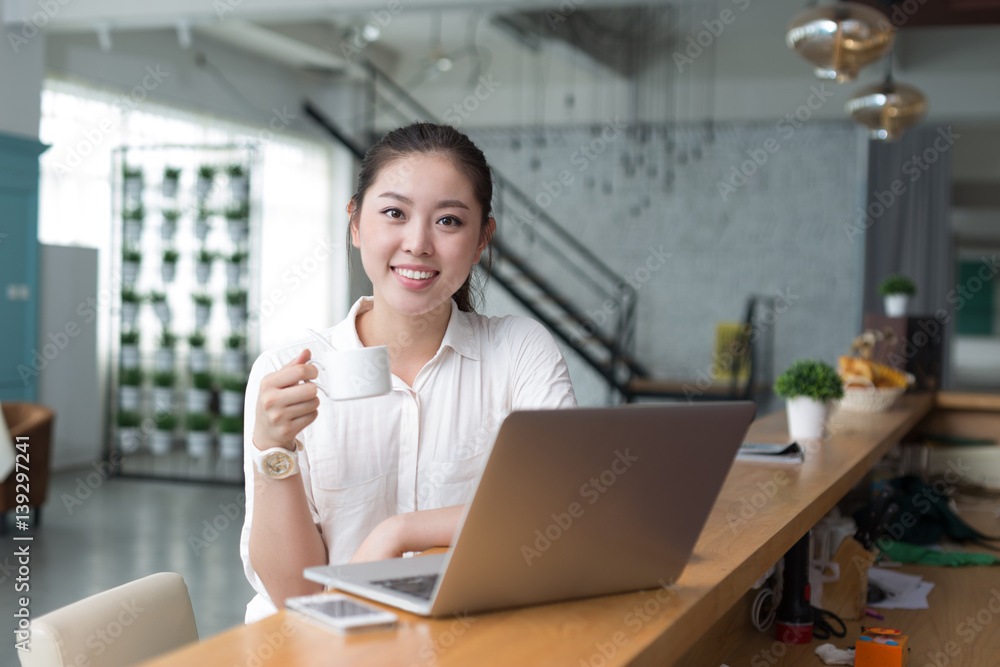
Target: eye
(393,213)
(450,221)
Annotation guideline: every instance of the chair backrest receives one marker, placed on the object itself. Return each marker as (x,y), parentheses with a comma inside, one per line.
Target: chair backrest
(122,626)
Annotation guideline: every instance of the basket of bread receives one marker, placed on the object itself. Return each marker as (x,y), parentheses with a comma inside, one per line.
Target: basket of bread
(870,386)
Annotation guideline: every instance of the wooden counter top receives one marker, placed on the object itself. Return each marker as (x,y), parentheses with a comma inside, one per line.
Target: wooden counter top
(762,510)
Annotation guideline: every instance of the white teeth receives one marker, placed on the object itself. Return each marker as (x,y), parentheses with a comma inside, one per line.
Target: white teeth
(415,275)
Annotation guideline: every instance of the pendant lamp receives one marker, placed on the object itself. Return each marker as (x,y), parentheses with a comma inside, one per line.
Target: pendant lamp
(887,109)
(841,38)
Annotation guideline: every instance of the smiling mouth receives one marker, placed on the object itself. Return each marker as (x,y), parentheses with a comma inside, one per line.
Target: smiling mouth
(415,275)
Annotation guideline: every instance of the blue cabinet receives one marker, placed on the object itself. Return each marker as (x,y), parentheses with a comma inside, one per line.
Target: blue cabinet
(20,360)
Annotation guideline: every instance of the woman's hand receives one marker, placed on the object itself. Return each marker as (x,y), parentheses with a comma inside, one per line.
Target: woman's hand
(410,531)
(286,404)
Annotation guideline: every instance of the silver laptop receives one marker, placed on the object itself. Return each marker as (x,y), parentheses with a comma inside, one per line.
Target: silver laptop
(570,504)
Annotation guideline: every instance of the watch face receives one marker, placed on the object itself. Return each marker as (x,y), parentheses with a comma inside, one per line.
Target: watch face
(277,464)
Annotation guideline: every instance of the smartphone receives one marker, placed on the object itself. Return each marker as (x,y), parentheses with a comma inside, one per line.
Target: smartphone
(342,613)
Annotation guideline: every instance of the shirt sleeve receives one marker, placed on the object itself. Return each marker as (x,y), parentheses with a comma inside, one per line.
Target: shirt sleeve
(540,376)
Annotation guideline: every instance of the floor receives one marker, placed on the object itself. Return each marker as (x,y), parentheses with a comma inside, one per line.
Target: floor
(100,532)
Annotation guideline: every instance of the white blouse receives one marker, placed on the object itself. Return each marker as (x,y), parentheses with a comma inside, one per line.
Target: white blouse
(415,448)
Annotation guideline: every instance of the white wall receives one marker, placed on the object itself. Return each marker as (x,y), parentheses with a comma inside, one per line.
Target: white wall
(22,65)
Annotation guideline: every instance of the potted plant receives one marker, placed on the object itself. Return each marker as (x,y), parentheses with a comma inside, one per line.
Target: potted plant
(160,306)
(129,435)
(237,221)
(202,309)
(239,185)
(234,357)
(234,267)
(809,386)
(199,396)
(163,435)
(130,391)
(198,355)
(236,307)
(199,438)
(171,177)
(201,224)
(132,179)
(231,396)
(130,348)
(163,390)
(168,269)
(203,265)
(131,257)
(168,226)
(130,306)
(206,176)
(165,355)
(231,437)
(133,218)
(896,291)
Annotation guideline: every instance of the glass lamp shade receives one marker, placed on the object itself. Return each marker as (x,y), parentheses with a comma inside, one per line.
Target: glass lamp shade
(887,109)
(840,39)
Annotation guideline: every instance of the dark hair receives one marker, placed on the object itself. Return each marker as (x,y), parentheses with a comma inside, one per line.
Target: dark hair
(432,139)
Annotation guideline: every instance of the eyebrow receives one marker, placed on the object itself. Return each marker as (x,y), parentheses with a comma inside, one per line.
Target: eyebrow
(446,203)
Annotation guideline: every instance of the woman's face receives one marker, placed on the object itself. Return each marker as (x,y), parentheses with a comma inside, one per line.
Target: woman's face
(419,232)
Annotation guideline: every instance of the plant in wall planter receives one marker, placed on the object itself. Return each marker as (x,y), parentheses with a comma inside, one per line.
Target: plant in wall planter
(133,218)
(130,306)
(130,391)
(202,309)
(202,224)
(163,390)
(131,258)
(168,224)
(132,180)
(168,269)
(165,354)
(234,357)
(160,307)
(206,177)
(236,307)
(199,436)
(199,396)
(231,396)
(896,291)
(130,349)
(198,356)
(809,387)
(239,184)
(171,177)
(234,268)
(203,265)
(129,434)
(163,436)
(231,438)
(238,222)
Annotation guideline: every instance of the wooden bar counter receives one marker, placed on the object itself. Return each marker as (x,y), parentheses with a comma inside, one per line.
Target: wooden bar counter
(762,511)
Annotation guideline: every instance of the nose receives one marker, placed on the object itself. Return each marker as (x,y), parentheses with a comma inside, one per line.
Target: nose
(417,240)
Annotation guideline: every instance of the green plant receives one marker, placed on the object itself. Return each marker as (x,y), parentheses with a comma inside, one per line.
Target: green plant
(157,297)
(171,173)
(207,172)
(135,213)
(204,213)
(129,295)
(235,341)
(170,256)
(131,172)
(234,383)
(238,256)
(231,424)
(198,421)
(206,256)
(171,214)
(130,337)
(241,212)
(812,378)
(131,377)
(168,339)
(164,378)
(202,299)
(202,380)
(129,419)
(236,297)
(131,255)
(197,339)
(165,421)
(236,170)
(897,284)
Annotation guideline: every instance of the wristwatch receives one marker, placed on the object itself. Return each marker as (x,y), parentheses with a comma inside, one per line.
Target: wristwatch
(276,462)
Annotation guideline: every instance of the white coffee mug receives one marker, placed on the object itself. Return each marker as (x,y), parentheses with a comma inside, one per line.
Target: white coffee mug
(349,374)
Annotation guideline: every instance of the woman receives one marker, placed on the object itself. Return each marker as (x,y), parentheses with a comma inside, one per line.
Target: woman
(382,476)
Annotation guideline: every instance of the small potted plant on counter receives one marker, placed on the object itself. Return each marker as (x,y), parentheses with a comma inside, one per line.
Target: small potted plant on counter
(231,396)
(160,306)
(131,258)
(130,391)
(236,307)
(133,218)
(198,356)
(809,387)
(168,269)
(234,356)
(171,177)
(206,177)
(199,396)
(132,180)
(130,306)
(238,182)
(163,436)
(203,265)
(202,226)
(199,436)
(896,291)
(231,437)
(168,225)
(163,390)
(238,222)
(234,268)
(130,348)
(202,309)
(129,434)
(165,355)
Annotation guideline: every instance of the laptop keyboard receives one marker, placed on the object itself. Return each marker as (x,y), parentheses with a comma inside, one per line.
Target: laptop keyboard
(419,586)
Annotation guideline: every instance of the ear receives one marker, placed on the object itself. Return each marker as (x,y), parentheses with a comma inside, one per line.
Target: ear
(352,225)
(487,233)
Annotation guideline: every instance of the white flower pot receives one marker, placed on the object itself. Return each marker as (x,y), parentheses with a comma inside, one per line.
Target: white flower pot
(202,187)
(163,399)
(168,271)
(162,310)
(169,188)
(231,403)
(237,316)
(133,230)
(130,311)
(129,439)
(133,188)
(130,272)
(237,230)
(129,398)
(167,229)
(201,229)
(165,359)
(239,186)
(201,314)
(198,400)
(895,304)
(202,272)
(807,418)
(198,360)
(233,362)
(199,443)
(231,446)
(234,272)
(130,356)
(162,442)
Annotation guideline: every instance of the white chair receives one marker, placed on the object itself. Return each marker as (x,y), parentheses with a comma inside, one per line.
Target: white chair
(123,626)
